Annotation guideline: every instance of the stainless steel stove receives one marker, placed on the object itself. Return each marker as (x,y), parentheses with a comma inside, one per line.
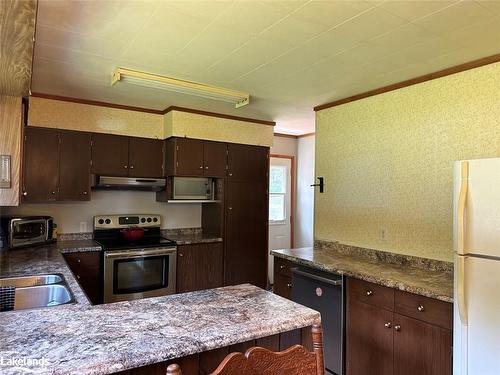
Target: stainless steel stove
(139,268)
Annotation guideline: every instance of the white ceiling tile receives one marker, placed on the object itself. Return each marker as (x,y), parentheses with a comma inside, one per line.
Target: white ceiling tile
(370,24)
(459,15)
(202,9)
(294,30)
(492,5)
(249,16)
(481,33)
(430,49)
(403,37)
(414,9)
(80,42)
(331,13)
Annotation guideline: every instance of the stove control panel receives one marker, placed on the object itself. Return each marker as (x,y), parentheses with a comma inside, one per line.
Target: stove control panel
(125,221)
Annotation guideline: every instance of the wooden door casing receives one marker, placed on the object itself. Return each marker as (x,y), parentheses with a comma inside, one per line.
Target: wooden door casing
(110,155)
(421,348)
(369,344)
(214,159)
(145,158)
(199,266)
(41,165)
(74,166)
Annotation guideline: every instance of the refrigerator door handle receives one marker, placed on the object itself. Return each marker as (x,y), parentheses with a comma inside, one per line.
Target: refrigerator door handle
(462,201)
(461,297)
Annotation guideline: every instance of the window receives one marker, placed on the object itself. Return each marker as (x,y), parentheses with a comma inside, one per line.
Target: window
(277,193)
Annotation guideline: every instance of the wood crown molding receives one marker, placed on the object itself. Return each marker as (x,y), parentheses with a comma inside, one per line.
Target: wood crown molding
(95,103)
(283,135)
(220,115)
(426,77)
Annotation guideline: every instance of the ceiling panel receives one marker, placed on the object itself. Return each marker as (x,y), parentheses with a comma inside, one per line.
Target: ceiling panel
(290,55)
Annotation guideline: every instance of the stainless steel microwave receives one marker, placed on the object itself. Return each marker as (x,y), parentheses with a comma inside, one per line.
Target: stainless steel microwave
(27,230)
(192,188)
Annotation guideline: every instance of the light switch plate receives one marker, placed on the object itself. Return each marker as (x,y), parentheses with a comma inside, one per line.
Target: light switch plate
(5,174)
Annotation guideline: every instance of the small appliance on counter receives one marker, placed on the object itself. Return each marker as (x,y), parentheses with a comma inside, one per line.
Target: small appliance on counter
(27,230)
(138,261)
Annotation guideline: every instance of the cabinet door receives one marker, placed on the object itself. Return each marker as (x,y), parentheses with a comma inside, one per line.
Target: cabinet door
(86,266)
(41,165)
(145,157)
(189,157)
(246,233)
(421,348)
(215,159)
(369,340)
(282,285)
(74,166)
(110,155)
(247,163)
(199,266)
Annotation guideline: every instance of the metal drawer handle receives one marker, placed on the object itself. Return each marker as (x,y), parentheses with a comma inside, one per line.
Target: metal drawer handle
(317,277)
(281,267)
(289,285)
(397,327)
(387,325)
(421,308)
(369,293)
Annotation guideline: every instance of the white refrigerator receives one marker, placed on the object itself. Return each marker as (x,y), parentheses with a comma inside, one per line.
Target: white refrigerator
(476,232)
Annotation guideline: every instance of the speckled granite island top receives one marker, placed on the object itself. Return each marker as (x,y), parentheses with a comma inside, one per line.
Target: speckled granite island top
(85,339)
(432,283)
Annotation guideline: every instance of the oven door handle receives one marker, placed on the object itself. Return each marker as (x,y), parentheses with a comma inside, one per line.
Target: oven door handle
(138,254)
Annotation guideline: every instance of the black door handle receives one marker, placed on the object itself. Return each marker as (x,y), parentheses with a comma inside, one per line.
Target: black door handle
(320,184)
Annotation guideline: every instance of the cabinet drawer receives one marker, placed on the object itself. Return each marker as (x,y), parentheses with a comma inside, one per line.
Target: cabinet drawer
(423,308)
(283,266)
(283,286)
(373,294)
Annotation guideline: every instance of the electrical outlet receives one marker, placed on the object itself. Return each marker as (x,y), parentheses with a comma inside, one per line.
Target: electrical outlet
(383,234)
(83,227)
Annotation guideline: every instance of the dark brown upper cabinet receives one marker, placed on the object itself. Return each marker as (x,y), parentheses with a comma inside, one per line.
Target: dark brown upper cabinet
(247,163)
(196,158)
(74,166)
(41,165)
(110,155)
(121,156)
(215,158)
(145,157)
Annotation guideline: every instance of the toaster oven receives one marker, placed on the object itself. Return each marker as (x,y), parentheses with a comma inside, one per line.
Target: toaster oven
(27,230)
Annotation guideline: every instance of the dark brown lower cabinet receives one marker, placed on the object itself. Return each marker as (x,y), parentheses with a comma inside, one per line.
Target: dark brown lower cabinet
(381,340)
(369,341)
(421,348)
(206,362)
(199,266)
(86,266)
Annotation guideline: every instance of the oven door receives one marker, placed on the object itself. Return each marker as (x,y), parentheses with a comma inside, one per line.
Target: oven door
(23,232)
(135,274)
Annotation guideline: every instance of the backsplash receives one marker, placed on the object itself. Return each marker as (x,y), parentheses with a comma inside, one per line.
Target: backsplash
(76,217)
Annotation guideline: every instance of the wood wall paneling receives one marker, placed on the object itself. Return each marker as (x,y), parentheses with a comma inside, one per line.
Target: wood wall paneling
(11,114)
(17,30)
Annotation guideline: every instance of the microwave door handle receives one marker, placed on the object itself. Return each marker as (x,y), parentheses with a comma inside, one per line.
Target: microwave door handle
(138,254)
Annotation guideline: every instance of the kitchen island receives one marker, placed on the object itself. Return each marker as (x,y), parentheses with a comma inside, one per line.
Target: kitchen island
(86,339)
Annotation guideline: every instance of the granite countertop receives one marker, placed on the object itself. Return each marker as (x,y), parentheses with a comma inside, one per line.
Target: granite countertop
(424,281)
(86,339)
(192,238)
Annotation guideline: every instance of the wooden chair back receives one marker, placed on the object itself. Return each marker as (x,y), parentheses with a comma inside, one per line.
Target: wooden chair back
(296,360)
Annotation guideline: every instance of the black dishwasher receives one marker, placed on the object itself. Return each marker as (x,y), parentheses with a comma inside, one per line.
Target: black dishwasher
(323,292)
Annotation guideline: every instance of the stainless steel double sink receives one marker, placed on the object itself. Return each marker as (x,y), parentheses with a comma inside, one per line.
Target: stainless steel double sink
(39,291)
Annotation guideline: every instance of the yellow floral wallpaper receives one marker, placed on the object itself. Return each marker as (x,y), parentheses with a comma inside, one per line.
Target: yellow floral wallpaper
(388,161)
(191,125)
(83,117)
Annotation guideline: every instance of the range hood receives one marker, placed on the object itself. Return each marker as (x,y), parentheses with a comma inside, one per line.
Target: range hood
(128,183)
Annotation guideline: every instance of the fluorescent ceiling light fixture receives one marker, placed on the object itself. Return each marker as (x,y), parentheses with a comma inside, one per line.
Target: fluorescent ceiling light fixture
(135,77)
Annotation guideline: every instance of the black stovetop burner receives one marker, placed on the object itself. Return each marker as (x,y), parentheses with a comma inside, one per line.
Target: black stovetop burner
(112,239)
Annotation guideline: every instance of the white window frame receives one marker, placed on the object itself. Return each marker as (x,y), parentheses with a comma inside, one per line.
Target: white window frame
(284,194)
